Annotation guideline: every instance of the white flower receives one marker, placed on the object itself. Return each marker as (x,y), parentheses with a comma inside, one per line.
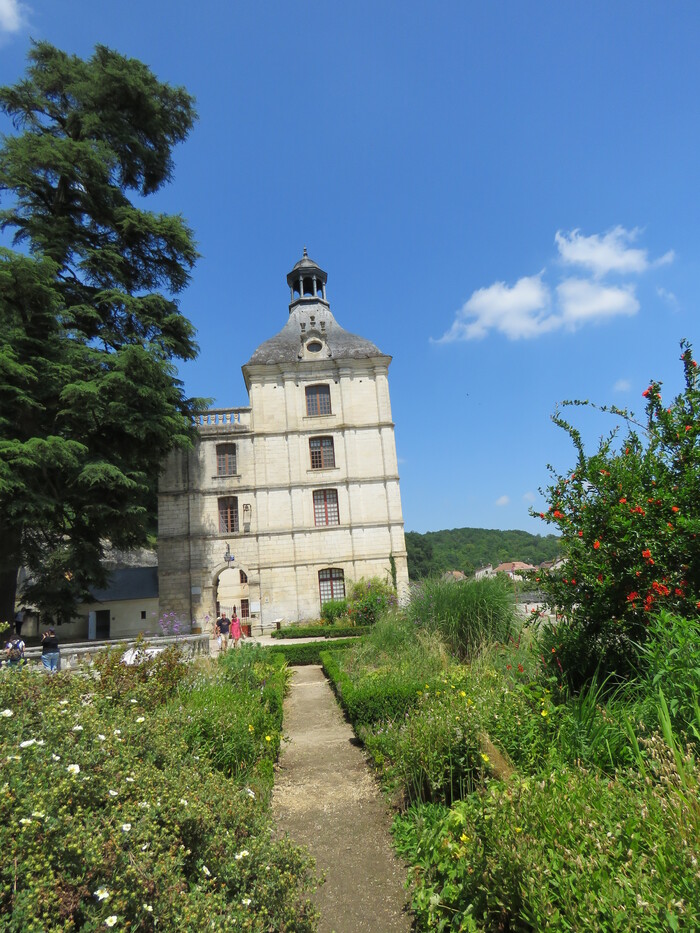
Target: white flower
(41,741)
(6,713)
(242,854)
(102,894)
(101,737)
(110,921)
(117,731)
(130,780)
(251,793)
(144,805)
(148,908)
(145,846)
(55,757)
(77,728)
(206,870)
(38,814)
(27,743)
(63,702)
(113,793)
(133,701)
(73,769)
(140,719)
(246,901)
(14,757)
(183,801)
(24,821)
(126,827)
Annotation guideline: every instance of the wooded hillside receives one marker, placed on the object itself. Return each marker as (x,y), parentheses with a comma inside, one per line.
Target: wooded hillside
(466,549)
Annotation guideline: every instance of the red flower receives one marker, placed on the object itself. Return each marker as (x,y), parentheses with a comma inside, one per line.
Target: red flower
(596,545)
(678,592)
(558,514)
(632,596)
(646,554)
(646,392)
(674,508)
(687,427)
(600,578)
(508,667)
(623,500)
(521,668)
(660,588)
(580,534)
(670,525)
(573,583)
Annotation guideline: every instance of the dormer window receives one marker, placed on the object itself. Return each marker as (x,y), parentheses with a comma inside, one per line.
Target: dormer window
(314,346)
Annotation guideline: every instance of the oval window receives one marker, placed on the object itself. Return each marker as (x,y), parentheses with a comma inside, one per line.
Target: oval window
(314,346)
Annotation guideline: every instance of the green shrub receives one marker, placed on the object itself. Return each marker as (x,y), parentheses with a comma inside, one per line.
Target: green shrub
(370,600)
(110,808)
(333,610)
(467,615)
(629,520)
(671,657)
(321,631)
(307,652)
(572,851)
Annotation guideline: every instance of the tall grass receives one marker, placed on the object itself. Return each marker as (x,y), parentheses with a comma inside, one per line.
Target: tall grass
(467,615)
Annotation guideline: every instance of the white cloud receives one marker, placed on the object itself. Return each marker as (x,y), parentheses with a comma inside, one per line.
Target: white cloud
(517,311)
(582,301)
(529,496)
(622,385)
(11,16)
(503,500)
(668,297)
(602,254)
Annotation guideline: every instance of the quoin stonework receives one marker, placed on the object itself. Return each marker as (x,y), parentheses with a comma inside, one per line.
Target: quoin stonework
(285,502)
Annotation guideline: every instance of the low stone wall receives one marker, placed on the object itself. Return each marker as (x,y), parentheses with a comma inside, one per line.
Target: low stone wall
(78,653)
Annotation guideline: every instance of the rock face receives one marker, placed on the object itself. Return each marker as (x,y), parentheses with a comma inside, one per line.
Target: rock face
(297,492)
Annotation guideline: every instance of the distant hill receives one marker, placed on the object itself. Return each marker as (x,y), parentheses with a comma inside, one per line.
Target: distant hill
(467,549)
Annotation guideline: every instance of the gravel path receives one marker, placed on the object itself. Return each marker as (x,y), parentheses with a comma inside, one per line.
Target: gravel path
(326,799)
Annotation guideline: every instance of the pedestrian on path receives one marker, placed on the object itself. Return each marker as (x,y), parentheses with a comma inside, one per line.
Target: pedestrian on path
(50,652)
(235,628)
(222,630)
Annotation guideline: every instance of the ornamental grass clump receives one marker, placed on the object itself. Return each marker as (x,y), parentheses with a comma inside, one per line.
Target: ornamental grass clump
(467,615)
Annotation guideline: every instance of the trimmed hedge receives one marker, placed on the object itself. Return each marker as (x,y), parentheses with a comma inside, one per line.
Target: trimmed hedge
(307,652)
(321,631)
(375,698)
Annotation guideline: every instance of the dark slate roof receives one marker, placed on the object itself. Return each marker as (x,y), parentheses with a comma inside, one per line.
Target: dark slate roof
(285,346)
(129,583)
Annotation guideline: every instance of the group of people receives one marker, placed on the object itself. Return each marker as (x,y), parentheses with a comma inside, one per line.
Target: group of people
(50,652)
(228,628)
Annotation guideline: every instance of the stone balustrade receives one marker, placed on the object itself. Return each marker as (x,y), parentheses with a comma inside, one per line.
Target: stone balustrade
(223,417)
(74,655)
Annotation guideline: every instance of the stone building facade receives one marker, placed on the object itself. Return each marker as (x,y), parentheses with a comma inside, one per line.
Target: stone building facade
(283,503)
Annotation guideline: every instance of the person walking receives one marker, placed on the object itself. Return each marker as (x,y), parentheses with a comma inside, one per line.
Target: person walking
(14,652)
(223,627)
(235,628)
(50,652)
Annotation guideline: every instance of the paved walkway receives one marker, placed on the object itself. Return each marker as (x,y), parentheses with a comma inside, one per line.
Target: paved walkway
(326,799)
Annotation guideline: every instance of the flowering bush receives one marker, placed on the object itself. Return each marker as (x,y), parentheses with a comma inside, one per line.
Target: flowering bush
(370,600)
(629,517)
(118,811)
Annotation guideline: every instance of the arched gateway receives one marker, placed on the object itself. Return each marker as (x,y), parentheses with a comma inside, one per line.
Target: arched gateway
(299,490)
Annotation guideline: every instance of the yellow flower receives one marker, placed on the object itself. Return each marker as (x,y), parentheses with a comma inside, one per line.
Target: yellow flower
(485,758)
(464,837)
(462,693)
(250,729)
(543,713)
(268,738)
(518,829)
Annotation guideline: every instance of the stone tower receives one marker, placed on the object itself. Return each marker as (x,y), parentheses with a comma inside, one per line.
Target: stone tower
(283,503)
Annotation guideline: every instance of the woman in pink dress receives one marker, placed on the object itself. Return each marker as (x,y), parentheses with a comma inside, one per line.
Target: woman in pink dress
(235,628)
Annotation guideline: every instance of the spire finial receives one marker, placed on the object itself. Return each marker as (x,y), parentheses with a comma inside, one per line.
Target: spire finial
(306,255)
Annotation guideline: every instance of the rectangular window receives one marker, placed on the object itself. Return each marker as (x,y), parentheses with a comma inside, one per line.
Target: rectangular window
(225,459)
(326,507)
(245,609)
(228,514)
(318,400)
(331,584)
(322,453)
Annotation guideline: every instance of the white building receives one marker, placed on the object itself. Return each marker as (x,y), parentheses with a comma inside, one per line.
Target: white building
(284,502)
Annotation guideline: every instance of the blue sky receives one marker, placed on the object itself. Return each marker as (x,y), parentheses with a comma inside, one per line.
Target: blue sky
(504,195)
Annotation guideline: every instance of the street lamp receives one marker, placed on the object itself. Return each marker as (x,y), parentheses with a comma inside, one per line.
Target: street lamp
(228,556)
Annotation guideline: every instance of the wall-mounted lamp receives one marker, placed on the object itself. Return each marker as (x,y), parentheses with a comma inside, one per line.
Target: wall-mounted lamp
(228,556)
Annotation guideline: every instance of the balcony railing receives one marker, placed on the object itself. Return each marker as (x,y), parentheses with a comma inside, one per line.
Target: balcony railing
(220,417)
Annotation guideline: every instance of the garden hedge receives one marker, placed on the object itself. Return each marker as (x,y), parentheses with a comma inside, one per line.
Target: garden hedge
(322,631)
(307,652)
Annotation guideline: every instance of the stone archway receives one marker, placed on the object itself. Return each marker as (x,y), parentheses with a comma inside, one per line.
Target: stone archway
(233,590)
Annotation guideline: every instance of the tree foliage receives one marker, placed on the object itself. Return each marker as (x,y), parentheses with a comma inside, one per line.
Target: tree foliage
(90,322)
(629,518)
(466,549)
